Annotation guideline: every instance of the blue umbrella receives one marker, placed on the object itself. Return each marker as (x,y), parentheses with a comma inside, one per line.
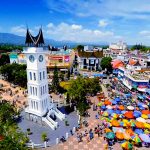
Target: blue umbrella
(140,104)
(123,112)
(103,107)
(117,99)
(145,138)
(141,108)
(138,131)
(110,111)
(137,114)
(114,102)
(117,111)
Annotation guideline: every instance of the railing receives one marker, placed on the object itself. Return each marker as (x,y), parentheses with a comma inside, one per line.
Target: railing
(59,114)
(52,121)
(49,122)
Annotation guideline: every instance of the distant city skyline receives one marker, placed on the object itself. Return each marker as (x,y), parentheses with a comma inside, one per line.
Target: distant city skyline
(79,20)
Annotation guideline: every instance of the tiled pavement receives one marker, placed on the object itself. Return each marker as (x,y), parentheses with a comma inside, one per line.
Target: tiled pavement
(97,143)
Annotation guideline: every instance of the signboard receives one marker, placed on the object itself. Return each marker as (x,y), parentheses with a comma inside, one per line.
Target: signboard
(66,58)
(13,56)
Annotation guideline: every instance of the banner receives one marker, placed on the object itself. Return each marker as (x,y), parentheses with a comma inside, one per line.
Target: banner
(66,58)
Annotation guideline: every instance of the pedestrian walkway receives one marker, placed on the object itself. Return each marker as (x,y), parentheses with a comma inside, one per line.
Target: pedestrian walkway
(97,143)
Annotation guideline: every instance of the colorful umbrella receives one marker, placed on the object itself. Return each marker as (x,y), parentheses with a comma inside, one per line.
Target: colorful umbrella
(107,130)
(138,131)
(119,135)
(129,115)
(109,107)
(144,116)
(147,125)
(103,107)
(100,104)
(115,123)
(110,111)
(127,145)
(136,139)
(146,131)
(105,114)
(127,136)
(107,102)
(141,119)
(117,111)
(137,114)
(148,121)
(121,107)
(146,112)
(110,135)
(145,138)
(130,108)
(130,131)
(114,115)
(139,124)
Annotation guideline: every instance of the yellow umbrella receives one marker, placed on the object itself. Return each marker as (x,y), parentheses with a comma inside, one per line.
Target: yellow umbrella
(146,131)
(126,136)
(125,120)
(146,125)
(144,116)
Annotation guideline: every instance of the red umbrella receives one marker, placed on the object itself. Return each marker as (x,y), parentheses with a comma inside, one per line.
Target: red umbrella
(129,115)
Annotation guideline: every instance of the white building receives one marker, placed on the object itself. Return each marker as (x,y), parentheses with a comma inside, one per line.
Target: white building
(88,48)
(39,107)
(118,46)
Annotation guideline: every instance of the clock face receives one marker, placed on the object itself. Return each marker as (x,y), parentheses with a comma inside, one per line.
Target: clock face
(31,58)
(40,58)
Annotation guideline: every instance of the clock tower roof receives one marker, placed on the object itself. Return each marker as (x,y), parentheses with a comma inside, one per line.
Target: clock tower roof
(35,41)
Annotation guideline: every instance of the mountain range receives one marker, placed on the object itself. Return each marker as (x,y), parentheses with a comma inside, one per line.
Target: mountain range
(9,38)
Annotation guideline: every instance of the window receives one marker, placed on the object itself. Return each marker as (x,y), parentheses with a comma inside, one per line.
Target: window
(30,75)
(41,90)
(45,89)
(33,90)
(36,91)
(34,76)
(37,105)
(30,90)
(43,74)
(42,105)
(34,104)
(40,76)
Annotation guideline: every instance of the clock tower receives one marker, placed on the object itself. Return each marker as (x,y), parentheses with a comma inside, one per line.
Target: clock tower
(38,95)
(39,107)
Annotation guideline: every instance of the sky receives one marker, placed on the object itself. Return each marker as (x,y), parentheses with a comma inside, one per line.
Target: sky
(79,20)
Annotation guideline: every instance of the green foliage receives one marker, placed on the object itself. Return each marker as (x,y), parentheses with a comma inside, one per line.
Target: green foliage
(4,59)
(11,137)
(140,47)
(8,47)
(15,73)
(55,82)
(79,89)
(80,47)
(44,136)
(106,63)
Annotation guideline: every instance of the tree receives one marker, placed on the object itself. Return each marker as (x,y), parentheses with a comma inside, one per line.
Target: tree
(4,59)
(15,73)
(106,64)
(140,47)
(55,80)
(44,136)
(79,89)
(80,47)
(11,137)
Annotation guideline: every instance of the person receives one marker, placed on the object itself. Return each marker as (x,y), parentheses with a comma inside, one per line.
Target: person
(71,132)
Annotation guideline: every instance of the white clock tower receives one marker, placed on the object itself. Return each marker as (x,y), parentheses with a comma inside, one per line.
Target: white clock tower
(38,97)
(39,107)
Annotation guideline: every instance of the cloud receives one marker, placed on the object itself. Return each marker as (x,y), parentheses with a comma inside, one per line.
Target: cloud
(109,8)
(103,23)
(19,30)
(144,33)
(77,33)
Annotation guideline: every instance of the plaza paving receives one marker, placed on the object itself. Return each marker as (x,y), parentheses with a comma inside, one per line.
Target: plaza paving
(38,129)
